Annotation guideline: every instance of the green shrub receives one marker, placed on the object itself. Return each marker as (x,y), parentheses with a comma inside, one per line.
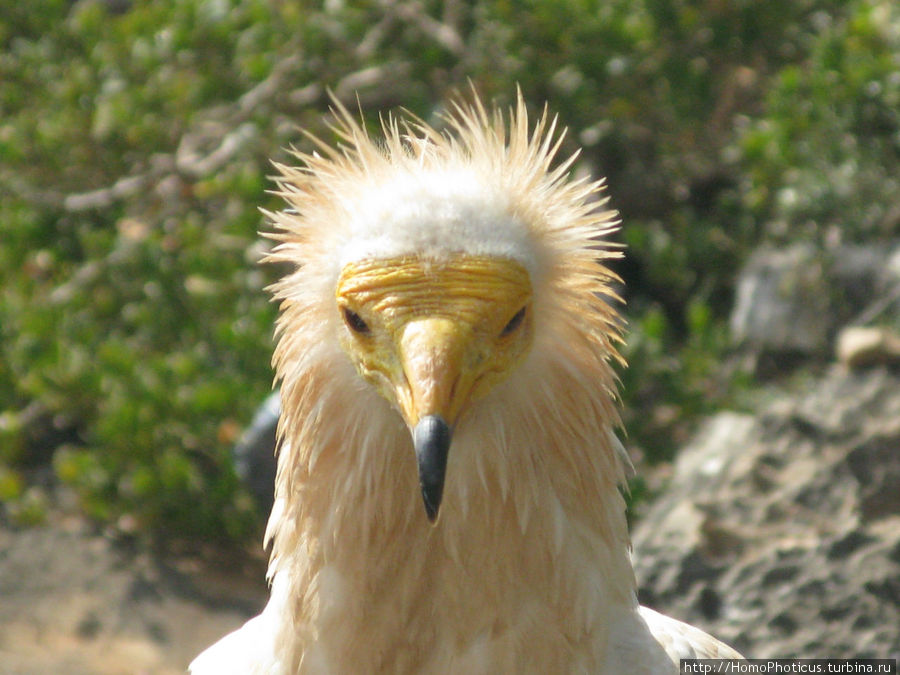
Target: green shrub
(135,139)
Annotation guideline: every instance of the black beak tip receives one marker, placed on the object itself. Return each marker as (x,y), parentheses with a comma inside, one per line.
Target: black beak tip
(431,438)
(431,510)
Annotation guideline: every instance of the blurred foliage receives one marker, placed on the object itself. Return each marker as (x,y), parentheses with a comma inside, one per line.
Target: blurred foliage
(135,137)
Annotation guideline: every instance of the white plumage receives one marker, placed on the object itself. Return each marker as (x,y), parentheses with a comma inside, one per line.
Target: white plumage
(448,286)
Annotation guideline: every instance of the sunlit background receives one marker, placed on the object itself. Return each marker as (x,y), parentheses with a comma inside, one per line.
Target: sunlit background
(135,147)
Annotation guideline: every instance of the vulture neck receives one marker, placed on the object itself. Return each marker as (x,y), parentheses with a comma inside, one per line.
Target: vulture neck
(523,569)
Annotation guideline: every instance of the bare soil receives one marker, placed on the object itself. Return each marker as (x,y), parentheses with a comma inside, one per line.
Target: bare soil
(76,602)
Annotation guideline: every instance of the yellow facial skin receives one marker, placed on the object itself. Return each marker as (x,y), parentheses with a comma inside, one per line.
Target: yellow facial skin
(433,336)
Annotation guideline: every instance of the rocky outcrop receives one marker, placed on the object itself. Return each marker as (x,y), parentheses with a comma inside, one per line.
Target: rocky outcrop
(780,532)
(791,302)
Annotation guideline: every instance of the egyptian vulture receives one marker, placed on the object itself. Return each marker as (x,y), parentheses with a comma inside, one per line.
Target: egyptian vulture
(446,336)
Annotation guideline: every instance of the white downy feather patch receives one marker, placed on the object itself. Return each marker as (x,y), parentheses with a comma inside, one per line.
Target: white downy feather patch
(432,214)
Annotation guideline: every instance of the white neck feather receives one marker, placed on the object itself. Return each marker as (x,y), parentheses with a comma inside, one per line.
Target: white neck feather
(532,532)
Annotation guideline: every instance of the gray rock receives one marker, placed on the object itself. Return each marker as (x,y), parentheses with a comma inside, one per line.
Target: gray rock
(863,346)
(254,453)
(780,303)
(780,532)
(792,301)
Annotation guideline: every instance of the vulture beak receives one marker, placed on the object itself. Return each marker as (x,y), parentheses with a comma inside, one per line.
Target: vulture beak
(431,438)
(436,385)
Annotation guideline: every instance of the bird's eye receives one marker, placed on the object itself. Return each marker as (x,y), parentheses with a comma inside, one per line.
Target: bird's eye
(513,323)
(355,322)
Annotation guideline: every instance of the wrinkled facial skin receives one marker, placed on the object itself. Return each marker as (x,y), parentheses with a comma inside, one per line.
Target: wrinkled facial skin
(433,337)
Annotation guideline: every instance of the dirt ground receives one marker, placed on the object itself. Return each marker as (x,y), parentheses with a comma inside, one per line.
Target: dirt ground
(76,602)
